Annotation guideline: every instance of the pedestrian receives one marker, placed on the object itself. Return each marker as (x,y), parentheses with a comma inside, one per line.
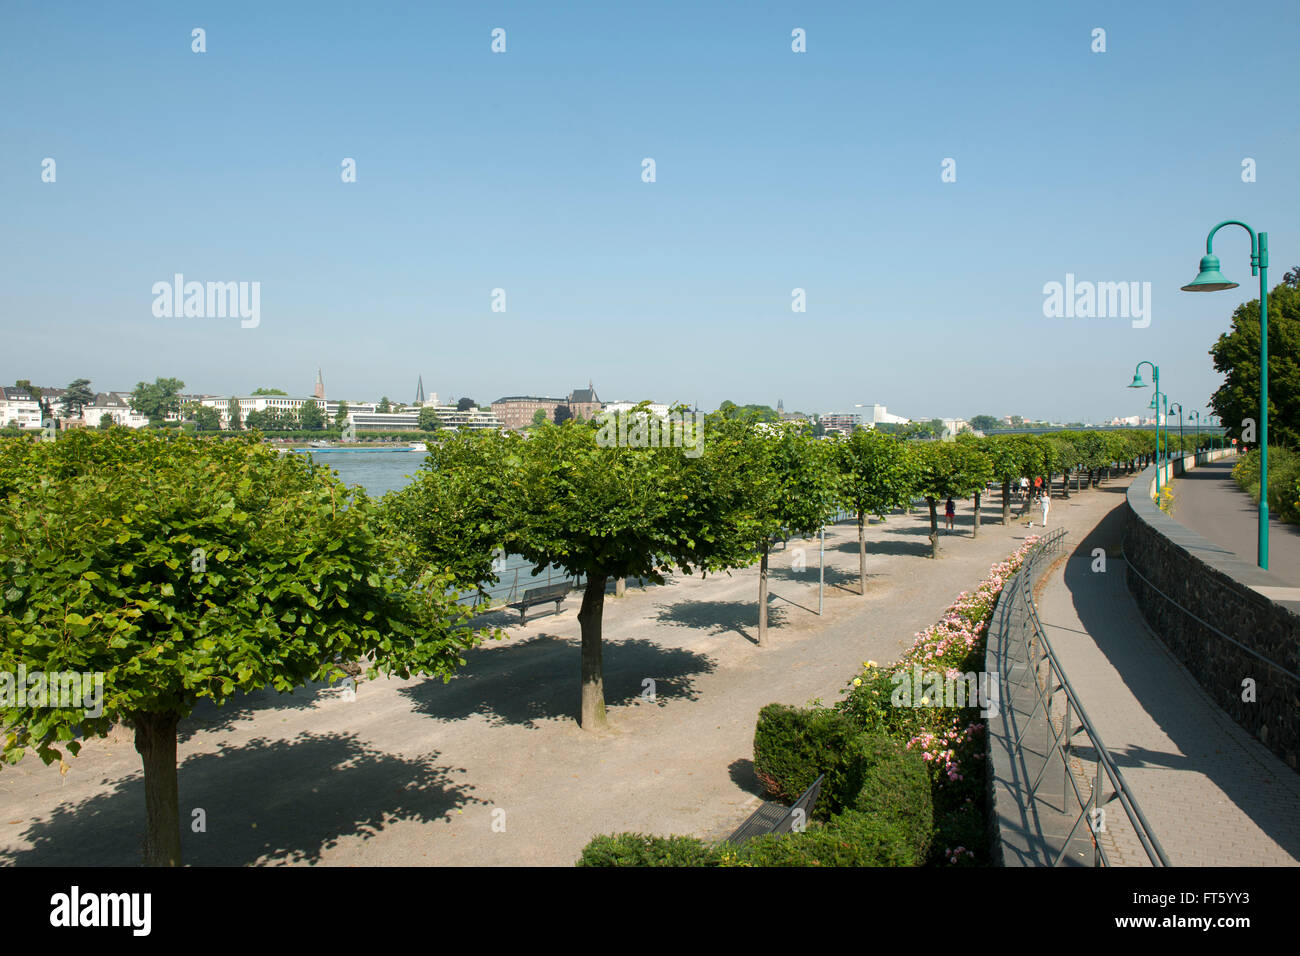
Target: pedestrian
(1046,502)
(1024,488)
(950,512)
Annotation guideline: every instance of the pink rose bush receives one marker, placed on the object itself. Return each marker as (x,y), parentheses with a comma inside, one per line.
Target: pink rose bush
(950,739)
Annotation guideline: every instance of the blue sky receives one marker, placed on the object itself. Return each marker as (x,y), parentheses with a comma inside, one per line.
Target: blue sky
(522,171)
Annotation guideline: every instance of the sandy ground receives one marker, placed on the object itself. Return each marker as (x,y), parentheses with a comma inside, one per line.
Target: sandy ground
(491,768)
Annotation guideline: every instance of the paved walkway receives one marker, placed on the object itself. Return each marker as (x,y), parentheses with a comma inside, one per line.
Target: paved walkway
(490,768)
(1213,794)
(1209,502)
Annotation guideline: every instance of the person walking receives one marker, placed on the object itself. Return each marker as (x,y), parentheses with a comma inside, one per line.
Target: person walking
(950,512)
(1024,487)
(1046,502)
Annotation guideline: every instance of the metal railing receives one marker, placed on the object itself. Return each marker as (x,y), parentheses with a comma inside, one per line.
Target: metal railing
(1031,674)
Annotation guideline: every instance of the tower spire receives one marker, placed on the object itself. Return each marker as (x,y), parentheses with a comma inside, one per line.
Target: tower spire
(419,391)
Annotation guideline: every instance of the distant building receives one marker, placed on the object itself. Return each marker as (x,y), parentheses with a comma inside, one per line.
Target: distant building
(657,409)
(840,422)
(583,403)
(320,386)
(879,415)
(517,411)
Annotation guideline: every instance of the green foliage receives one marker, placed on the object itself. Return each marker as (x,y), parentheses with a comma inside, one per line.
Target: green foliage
(453,510)
(951,469)
(267,391)
(310,417)
(730,411)
(207,419)
(341,416)
(636,849)
(182,568)
(851,838)
(985,423)
(77,396)
(155,401)
(429,420)
(883,779)
(1283,480)
(793,746)
(1236,355)
(878,473)
(236,415)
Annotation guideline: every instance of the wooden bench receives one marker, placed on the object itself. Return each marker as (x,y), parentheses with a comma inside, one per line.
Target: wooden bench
(543,595)
(774,817)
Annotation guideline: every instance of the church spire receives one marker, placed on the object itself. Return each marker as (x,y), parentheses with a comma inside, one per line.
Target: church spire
(419,391)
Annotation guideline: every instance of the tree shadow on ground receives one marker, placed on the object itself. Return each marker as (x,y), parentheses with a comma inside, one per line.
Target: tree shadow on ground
(719,617)
(208,717)
(266,801)
(536,679)
(807,575)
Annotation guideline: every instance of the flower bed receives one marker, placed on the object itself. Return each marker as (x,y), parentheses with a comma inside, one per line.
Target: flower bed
(949,737)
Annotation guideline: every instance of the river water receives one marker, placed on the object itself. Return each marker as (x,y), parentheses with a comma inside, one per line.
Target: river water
(380,472)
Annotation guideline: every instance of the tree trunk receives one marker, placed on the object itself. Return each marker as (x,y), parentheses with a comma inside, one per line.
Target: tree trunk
(1006,501)
(862,553)
(975,528)
(1065,483)
(155,741)
(762,598)
(934,526)
(592,715)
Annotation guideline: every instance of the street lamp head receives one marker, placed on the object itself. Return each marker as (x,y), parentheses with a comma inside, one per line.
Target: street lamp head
(1210,278)
(1137,381)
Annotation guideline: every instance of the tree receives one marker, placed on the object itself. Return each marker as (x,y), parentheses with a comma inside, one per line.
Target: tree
(612,511)
(311,417)
(181,568)
(232,409)
(268,391)
(465,404)
(878,473)
(1236,354)
(1292,277)
(207,419)
(949,470)
(384,405)
(985,423)
(341,416)
(105,421)
(452,511)
(562,414)
(793,490)
(1007,456)
(429,420)
(158,400)
(76,397)
(539,417)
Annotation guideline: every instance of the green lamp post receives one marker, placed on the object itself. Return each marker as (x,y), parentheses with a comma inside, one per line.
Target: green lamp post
(1182,448)
(1211,279)
(1195,415)
(1138,383)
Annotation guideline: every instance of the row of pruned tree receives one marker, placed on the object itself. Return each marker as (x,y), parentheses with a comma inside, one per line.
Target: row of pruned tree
(181,567)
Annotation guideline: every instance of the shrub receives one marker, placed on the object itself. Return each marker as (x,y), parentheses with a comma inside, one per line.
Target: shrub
(851,838)
(1283,480)
(886,781)
(636,849)
(793,746)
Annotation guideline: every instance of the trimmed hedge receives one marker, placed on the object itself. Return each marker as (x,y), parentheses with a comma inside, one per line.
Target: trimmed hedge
(637,849)
(793,746)
(851,838)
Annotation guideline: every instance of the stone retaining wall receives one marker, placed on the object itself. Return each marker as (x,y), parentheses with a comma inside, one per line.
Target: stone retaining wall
(1221,590)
